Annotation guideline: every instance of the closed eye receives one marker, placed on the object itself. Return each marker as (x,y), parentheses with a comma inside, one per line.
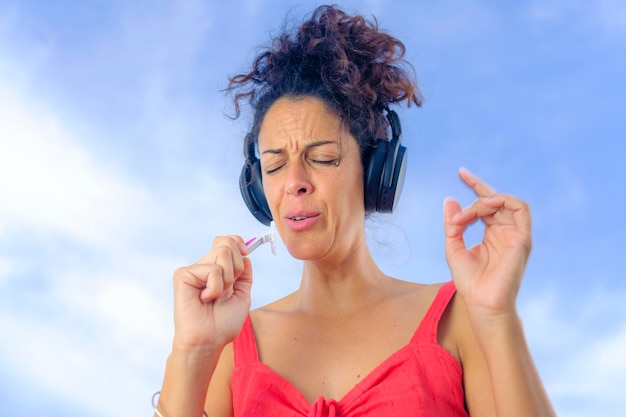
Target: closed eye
(327,162)
(324,157)
(273,169)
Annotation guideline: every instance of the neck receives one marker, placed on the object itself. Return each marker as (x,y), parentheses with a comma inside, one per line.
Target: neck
(341,288)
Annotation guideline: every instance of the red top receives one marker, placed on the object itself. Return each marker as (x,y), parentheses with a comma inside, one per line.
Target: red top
(420,379)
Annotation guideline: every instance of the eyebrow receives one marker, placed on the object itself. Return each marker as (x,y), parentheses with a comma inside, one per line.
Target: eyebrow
(307,146)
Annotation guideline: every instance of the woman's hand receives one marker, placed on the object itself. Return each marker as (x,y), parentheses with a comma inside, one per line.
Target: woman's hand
(488,275)
(212,296)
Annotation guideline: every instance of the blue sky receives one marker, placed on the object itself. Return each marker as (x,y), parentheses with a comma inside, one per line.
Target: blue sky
(117,165)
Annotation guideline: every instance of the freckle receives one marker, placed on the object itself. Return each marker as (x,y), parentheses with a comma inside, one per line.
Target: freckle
(358,376)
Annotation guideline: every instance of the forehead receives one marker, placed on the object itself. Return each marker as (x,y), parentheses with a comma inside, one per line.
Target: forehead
(295,120)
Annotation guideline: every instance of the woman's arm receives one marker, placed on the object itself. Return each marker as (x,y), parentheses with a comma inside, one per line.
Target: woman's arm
(500,374)
(187,376)
(211,302)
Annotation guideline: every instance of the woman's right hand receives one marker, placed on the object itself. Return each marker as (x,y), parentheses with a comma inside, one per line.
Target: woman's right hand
(212,296)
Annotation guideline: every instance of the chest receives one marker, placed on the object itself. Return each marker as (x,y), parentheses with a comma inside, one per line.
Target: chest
(328,359)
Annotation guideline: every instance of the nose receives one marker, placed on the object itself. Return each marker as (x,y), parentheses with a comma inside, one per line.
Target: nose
(297,181)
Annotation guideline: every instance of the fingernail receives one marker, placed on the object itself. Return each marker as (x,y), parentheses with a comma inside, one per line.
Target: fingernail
(467,172)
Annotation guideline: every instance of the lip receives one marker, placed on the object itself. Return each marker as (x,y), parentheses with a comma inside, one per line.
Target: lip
(310,218)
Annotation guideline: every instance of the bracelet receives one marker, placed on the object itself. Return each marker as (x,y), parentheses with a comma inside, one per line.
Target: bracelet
(156,410)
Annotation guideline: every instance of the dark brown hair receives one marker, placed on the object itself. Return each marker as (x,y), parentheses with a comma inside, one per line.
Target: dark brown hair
(345,61)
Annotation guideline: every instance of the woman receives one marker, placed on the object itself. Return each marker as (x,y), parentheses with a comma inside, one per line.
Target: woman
(351,341)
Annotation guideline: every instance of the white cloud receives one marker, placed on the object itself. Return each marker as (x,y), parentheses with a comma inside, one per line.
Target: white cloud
(593,374)
(80,370)
(6,267)
(579,351)
(545,328)
(605,364)
(89,334)
(50,182)
(101,327)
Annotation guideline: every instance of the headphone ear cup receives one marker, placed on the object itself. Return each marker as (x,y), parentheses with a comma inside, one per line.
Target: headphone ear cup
(251,186)
(384,171)
(374,162)
(392,179)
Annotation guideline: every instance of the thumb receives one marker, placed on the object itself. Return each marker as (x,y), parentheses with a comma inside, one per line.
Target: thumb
(453,231)
(243,284)
(451,207)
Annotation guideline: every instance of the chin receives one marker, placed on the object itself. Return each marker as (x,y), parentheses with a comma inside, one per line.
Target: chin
(302,255)
(304,251)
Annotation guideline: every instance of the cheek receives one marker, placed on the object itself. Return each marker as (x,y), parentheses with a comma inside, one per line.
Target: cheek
(270,190)
(356,180)
(349,192)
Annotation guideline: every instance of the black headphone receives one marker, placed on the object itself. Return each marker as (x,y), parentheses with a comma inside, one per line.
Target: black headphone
(384,166)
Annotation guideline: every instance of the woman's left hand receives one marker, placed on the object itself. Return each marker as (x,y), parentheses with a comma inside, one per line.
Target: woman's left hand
(488,276)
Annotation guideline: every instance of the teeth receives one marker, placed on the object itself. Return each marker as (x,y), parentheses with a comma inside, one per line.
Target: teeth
(298,218)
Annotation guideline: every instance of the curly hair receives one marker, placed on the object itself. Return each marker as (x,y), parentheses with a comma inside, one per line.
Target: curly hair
(345,61)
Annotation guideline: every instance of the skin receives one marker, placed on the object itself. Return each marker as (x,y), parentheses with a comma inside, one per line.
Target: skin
(311,168)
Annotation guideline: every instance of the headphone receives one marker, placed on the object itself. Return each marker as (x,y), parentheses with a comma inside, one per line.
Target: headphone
(384,167)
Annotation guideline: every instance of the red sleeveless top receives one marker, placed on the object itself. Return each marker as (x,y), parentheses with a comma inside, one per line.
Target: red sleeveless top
(420,379)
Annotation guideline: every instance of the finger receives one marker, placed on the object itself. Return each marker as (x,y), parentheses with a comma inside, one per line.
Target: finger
(480,187)
(516,208)
(227,252)
(451,210)
(193,276)
(233,241)
(453,231)
(216,287)
(207,278)
(477,210)
(236,243)
(243,283)
(215,283)
(229,260)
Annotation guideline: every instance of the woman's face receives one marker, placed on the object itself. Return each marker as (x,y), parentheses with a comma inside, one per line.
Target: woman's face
(312,178)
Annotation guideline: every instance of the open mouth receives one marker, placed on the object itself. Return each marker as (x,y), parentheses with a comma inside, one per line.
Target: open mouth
(300,221)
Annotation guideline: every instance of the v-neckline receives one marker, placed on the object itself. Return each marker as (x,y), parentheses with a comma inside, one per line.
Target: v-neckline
(359,387)
(363,384)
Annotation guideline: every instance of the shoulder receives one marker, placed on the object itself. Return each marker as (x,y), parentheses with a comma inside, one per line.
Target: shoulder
(456,334)
(418,294)
(282,304)
(271,312)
